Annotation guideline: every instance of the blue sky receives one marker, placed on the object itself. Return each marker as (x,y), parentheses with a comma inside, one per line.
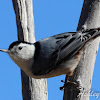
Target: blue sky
(51,17)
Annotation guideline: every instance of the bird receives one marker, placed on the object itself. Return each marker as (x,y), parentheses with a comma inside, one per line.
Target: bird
(51,56)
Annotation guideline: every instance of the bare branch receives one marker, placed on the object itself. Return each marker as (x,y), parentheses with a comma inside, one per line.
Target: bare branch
(32,89)
(90,18)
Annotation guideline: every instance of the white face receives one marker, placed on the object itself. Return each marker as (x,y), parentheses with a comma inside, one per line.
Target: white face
(22,52)
(23,55)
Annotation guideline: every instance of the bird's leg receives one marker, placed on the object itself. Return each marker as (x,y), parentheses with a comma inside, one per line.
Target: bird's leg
(61,88)
(70,73)
(66,79)
(67,82)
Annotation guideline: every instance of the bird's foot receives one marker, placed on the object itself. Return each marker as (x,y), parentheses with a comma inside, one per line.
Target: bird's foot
(61,88)
(67,83)
(76,84)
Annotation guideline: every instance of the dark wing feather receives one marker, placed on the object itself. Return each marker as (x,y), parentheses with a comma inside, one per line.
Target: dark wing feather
(69,45)
(67,49)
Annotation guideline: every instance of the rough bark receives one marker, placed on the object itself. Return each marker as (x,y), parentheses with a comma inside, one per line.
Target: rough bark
(90,18)
(32,89)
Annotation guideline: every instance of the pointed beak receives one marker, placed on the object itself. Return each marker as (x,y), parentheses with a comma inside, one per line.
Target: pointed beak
(4,50)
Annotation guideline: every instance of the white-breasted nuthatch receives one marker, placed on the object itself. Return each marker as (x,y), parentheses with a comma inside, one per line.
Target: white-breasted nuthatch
(52,56)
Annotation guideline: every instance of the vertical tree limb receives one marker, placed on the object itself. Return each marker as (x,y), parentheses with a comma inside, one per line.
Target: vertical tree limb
(90,18)
(32,89)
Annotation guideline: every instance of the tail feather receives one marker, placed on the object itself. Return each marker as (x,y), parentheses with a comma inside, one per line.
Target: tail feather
(91,33)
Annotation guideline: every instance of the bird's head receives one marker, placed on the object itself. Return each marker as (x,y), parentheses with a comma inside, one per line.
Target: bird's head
(20,51)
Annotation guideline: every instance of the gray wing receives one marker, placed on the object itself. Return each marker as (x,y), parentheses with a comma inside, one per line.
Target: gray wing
(68,45)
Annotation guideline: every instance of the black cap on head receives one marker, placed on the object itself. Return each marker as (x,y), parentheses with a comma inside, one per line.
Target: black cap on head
(17,43)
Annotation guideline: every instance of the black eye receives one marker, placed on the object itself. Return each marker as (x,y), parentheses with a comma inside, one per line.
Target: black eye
(20,48)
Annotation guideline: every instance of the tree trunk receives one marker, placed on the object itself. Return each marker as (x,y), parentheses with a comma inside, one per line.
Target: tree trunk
(32,89)
(90,18)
